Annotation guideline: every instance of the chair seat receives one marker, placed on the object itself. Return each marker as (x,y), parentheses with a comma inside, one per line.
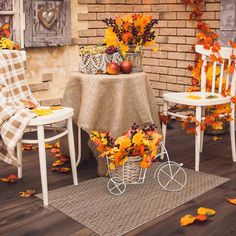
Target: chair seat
(183,98)
(56,116)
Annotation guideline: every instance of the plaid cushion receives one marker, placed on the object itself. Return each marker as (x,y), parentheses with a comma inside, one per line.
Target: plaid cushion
(14,117)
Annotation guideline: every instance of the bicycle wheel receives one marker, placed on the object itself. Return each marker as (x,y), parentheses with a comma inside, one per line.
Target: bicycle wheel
(116,186)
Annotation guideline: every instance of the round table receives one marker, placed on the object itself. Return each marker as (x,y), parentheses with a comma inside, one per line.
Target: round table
(111,102)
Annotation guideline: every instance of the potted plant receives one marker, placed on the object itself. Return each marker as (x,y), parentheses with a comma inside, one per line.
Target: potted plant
(5,41)
(130,34)
(130,153)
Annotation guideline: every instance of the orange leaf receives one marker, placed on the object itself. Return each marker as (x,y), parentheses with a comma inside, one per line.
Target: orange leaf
(27,147)
(213,57)
(232,44)
(216,47)
(64,170)
(206,211)
(233,99)
(54,169)
(57,163)
(55,150)
(201,218)
(217,125)
(216,138)
(187,220)
(11,179)
(232,200)
(27,193)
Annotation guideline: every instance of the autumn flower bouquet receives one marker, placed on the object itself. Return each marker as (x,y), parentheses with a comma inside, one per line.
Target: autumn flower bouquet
(5,41)
(130,32)
(141,142)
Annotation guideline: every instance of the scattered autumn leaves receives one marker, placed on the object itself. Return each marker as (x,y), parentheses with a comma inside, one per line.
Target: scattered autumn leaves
(59,165)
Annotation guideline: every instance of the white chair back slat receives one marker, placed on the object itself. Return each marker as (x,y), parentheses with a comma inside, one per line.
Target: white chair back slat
(225,53)
(227,76)
(203,74)
(213,78)
(221,77)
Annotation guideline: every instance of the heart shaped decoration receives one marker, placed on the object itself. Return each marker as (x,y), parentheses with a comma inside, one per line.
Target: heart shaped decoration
(48,16)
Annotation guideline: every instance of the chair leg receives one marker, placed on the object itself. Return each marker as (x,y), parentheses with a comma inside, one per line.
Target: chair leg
(164,127)
(79,146)
(202,132)
(43,164)
(19,157)
(72,151)
(197,139)
(232,132)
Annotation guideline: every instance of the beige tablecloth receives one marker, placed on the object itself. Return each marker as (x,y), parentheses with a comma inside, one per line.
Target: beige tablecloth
(112,103)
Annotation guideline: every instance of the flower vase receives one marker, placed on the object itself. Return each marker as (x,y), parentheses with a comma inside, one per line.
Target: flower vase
(136,58)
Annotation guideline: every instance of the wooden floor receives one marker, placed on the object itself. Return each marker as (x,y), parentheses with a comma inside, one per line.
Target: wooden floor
(28,217)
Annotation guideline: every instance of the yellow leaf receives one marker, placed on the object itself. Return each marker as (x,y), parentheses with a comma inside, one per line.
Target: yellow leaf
(123,161)
(42,112)
(194,97)
(206,211)
(27,193)
(232,200)
(54,108)
(123,141)
(112,166)
(187,220)
(137,138)
(216,138)
(48,146)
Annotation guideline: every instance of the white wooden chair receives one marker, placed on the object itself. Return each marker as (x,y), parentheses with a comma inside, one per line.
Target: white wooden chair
(182,98)
(41,123)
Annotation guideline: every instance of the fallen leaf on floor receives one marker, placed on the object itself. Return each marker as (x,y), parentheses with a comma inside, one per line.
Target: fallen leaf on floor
(55,150)
(64,170)
(206,211)
(216,138)
(201,218)
(27,193)
(54,169)
(64,158)
(48,146)
(11,179)
(27,147)
(57,163)
(56,145)
(232,200)
(57,155)
(187,220)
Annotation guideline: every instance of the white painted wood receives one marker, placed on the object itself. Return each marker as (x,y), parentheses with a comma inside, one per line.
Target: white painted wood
(182,98)
(79,146)
(197,139)
(19,158)
(213,78)
(164,127)
(202,131)
(232,132)
(43,163)
(72,150)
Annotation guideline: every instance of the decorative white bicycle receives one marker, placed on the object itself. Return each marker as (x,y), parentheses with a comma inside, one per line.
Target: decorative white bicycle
(170,175)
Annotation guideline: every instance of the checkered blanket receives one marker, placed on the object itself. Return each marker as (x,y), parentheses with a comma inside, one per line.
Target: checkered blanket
(14,116)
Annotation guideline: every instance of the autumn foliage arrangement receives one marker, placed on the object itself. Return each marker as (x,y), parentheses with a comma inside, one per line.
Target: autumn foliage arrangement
(130,32)
(143,142)
(5,41)
(208,38)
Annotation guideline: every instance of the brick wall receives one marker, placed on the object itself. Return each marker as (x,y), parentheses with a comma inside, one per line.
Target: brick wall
(166,68)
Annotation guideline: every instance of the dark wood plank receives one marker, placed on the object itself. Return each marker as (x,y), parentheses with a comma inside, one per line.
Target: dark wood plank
(28,216)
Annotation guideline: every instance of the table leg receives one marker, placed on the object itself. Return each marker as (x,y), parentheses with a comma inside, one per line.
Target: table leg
(79,146)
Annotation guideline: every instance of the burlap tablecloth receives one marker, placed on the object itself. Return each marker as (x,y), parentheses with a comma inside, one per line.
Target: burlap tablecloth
(111,102)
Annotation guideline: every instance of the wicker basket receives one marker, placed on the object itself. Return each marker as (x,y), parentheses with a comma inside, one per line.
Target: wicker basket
(96,63)
(131,172)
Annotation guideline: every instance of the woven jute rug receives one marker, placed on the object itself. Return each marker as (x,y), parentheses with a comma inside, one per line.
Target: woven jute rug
(91,204)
